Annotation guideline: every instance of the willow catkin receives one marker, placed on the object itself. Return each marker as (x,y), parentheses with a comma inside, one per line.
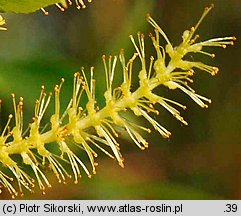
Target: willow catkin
(97,130)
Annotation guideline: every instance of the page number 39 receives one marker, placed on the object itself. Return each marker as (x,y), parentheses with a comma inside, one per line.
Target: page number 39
(231,208)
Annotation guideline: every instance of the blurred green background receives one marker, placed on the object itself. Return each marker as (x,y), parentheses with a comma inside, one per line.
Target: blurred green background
(200,161)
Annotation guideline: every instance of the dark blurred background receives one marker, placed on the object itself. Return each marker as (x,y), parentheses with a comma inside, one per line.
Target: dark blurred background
(200,161)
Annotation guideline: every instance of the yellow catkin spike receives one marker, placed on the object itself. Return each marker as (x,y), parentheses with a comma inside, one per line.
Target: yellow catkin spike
(88,126)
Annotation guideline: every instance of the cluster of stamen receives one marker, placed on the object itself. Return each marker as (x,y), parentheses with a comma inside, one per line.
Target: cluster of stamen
(80,4)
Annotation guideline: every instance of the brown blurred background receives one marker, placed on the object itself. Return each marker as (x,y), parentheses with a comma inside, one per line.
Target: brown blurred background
(200,161)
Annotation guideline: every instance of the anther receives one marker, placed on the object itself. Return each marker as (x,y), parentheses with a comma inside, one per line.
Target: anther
(44,11)
(69,2)
(121,164)
(151,35)
(148,16)
(60,7)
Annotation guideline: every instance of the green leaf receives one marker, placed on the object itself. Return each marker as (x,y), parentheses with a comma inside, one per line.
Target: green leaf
(26,6)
